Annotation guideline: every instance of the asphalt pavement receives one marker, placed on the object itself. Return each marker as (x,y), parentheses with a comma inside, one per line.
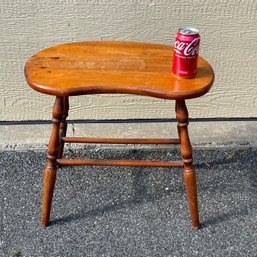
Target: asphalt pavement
(130,211)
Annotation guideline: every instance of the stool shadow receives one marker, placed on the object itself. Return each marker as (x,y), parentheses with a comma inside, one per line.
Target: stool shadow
(242,210)
(140,196)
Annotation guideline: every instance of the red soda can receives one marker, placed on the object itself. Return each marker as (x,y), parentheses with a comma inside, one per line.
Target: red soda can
(186,51)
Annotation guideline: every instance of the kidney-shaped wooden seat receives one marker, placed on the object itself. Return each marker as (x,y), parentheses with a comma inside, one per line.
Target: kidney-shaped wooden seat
(114,67)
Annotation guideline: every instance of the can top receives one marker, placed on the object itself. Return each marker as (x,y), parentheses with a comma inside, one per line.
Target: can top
(188,31)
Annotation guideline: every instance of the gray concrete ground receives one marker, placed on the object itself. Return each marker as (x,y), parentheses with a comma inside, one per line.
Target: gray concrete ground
(125,211)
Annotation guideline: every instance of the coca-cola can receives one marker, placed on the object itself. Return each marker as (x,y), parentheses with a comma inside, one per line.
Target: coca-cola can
(186,51)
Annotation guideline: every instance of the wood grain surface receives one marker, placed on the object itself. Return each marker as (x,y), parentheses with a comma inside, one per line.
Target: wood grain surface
(113,67)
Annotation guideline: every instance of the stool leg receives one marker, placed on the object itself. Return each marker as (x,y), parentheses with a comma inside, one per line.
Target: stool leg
(63,125)
(51,168)
(186,152)
(178,127)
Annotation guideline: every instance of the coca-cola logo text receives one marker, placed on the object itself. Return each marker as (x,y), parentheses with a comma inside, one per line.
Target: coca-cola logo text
(187,49)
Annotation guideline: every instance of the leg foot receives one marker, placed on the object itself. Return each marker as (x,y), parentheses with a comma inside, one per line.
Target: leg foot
(49,182)
(191,190)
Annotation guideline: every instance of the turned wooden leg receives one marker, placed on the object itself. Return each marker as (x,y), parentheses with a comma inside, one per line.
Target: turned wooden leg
(186,152)
(178,127)
(51,168)
(63,125)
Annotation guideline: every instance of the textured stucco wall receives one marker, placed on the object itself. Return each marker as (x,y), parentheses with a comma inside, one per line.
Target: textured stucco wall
(229,43)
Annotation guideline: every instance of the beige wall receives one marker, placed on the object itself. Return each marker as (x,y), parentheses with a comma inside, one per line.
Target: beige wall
(229,43)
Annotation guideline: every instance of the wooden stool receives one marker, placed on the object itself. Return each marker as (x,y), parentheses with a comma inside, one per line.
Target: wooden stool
(114,67)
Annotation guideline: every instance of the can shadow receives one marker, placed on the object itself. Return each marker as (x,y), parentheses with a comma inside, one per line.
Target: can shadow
(202,72)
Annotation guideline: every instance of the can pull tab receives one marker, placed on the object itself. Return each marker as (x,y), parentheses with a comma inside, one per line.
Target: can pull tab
(188,31)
